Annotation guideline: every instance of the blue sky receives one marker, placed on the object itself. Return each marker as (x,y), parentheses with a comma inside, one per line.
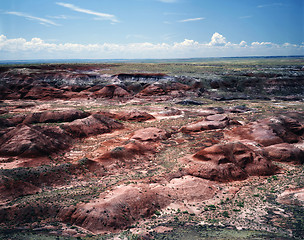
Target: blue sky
(31,29)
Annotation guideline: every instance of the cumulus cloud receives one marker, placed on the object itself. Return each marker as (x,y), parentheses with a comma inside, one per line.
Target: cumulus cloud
(42,21)
(36,48)
(192,19)
(217,40)
(99,15)
(264,44)
(243,44)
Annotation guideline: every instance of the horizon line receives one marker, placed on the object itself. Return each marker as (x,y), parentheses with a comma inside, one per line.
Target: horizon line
(47,60)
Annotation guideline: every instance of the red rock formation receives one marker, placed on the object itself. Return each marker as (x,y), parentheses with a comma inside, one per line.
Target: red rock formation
(285,152)
(44,93)
(33,141)
(114,211)
(112,91)
(135,115)
(55,116)
(153,90)
(127,152)
(92,125)
(150,134)
(269,131)
(230,161)
(126,204)
(168,111)
(10,189)
(217,121)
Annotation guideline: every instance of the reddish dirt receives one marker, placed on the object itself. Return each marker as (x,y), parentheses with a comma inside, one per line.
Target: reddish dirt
(135,115)
(32,141)
(228,162)
(55,116)
(92,125)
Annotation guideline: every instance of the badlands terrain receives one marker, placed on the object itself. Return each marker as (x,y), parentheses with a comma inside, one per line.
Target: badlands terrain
(206,149)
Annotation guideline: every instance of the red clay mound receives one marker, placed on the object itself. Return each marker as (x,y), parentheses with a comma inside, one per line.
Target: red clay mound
(153,90)
(4,123)
(150,134)
(188,188)
(31,141)
(269,131)
(112,91)
(289,129)
(128,151)
(92,125)
(285,152)
(44,93)
(125,205)
(217,121)
(114,211)
(230,161)
(10,189)
(135,116)
(169,111)
(55,116)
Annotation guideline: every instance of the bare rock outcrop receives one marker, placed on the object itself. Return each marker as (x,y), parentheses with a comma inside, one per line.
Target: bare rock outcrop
(150,134)
(55,116)
(129,151)
(126,204)
(112,91)
(153,90)
(285,152)
(92,125)
(10,189)
(135,115)
(44,93)
(217,121)
(229,161)
(32,141)
(292,197)
(269,131)
(116,210)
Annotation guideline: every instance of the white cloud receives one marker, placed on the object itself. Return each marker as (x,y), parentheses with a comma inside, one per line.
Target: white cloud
(99,15)
(264,44)
(243,44)
(61,17)
(192,19)
(217,40)
(42,21)
(36,48)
